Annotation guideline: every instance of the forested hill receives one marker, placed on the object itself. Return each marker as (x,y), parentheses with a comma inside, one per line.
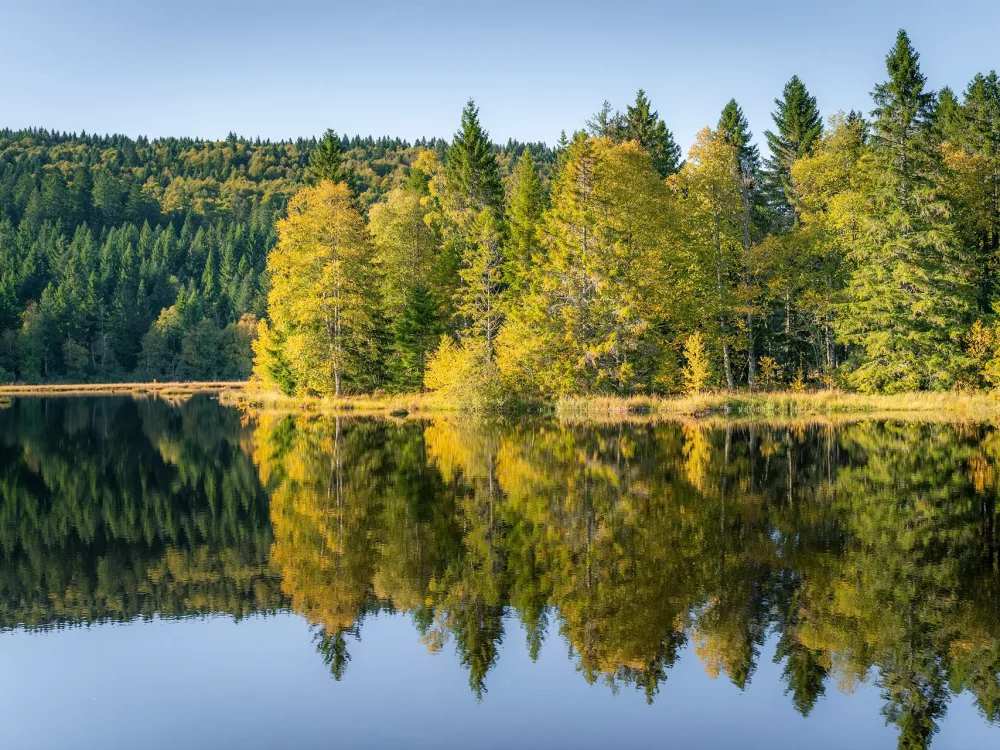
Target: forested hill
(136,258)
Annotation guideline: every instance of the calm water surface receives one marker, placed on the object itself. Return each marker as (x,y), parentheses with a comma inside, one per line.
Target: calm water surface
(182,576)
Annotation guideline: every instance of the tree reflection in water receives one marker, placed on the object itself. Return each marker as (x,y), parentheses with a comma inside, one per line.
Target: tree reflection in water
(868,551)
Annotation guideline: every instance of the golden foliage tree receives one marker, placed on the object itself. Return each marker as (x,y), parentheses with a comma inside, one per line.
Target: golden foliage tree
(592,318)
(322,337)
(698,369)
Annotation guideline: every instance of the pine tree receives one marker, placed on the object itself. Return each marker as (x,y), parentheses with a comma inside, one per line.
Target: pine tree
(979,221)
(562,152)
(473,174)
(797,127)
(524,215)
(478,302)
(643,125)
(908,295)
(606,123)
(735,130)
(327,162)
(752,221)
(949,118)
(210,281)
(417,330)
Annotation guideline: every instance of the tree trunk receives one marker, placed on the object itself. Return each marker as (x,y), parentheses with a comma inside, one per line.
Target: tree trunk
(727,363)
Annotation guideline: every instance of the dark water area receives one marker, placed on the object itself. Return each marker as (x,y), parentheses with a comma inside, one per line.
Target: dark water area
(188,576)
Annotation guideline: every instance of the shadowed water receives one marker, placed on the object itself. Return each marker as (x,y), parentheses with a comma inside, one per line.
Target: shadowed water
(314,582)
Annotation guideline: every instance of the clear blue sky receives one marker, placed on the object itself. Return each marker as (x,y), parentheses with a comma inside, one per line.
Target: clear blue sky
(288,69)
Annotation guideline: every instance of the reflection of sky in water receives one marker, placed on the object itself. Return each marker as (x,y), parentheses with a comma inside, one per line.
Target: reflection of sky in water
(214,682)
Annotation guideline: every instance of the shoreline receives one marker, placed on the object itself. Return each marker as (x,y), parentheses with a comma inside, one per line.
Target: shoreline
(722,406)
(826,406)
(172,389)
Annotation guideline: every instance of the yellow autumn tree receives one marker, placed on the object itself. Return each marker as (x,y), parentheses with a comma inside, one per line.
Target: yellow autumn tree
(323,335)
(710,209)
(593,318)
(698,370)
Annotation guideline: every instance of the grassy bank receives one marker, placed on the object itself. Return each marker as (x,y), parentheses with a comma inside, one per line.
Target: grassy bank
(958,405)
(780,405)
(401,404)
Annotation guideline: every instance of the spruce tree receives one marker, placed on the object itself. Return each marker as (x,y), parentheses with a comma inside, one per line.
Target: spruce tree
(524,215)
(981,114)
(752,222)
(643,125)
(472,170)
(735,131)
(210,281)
(949,117)
(479,300)
(327,162)
(797,127)
(417,330)
(908,294)
(972,131)
(606,123)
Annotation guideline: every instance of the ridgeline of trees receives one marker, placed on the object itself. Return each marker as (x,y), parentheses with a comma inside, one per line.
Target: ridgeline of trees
(861,253)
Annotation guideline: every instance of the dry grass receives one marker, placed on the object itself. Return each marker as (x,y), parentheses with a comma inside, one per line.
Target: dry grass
(780,407)
(952,405)
(402,404)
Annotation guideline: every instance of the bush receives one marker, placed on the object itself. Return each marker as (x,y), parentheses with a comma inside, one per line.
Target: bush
(463,375)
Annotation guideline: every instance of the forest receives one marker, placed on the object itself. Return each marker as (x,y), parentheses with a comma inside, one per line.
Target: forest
(860,252)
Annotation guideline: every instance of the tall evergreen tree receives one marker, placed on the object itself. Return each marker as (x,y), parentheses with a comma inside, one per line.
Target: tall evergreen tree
(752,222)
(472,170)
(981,137)
(643,125)
(327,162)
(797,127)
(735,130)
(949,118)
(908,294)
(606,123)
(524,215)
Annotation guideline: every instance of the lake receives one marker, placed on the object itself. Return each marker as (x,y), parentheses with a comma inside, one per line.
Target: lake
(189,576)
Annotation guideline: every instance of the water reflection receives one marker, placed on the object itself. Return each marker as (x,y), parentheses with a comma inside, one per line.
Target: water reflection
(114,509)
(869,550)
